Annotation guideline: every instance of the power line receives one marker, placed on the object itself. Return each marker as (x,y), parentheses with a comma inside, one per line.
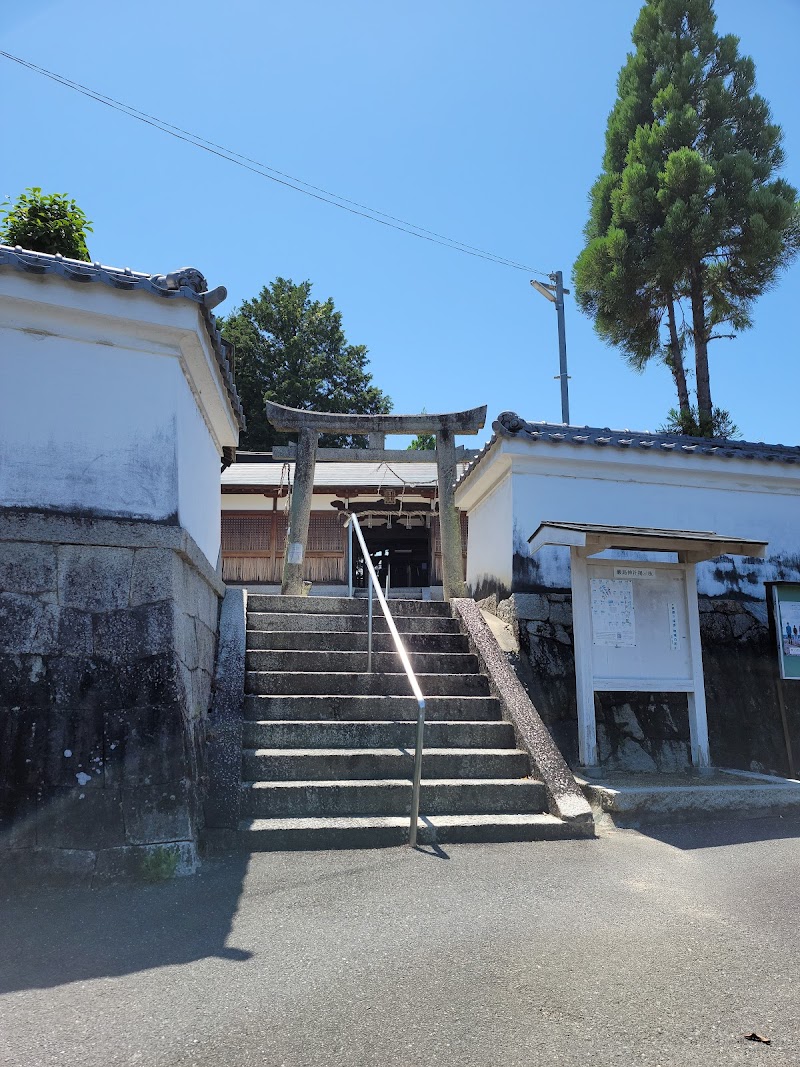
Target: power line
(280,177)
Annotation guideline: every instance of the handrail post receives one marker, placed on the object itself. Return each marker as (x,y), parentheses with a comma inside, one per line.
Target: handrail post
(388,574)
(350,558)
(369,631)
(412,830)
(375,586)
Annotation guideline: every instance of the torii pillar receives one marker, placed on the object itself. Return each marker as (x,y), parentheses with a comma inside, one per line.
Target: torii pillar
(308,425)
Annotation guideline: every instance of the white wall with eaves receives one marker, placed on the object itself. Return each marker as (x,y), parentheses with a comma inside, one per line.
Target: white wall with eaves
(490,545)
(737,498)
(111,405)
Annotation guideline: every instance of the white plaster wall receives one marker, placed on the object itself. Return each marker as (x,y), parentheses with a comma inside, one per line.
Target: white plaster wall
(259,502)
(733,506)
(736,506)
(489,548)
(198,474)
(86,427)
(246,502)
(111,403)
(735,498)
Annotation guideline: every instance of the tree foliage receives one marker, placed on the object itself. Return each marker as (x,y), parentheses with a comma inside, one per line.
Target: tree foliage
(423,442)
(43,222)
(688,223)
(687,422)
(292,350)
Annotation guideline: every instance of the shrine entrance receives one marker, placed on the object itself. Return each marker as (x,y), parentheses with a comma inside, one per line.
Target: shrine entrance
(399,554)
(310,425)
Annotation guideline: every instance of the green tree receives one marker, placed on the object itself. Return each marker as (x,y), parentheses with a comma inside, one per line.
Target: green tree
(423,442)
(43,222)
(688,224)
(292,350)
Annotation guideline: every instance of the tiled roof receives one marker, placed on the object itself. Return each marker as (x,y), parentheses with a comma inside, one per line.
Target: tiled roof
(186,283)
(336,475)
(509,425)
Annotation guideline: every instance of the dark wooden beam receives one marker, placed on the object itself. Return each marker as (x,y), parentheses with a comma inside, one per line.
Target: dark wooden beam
(379,508)
(426,493)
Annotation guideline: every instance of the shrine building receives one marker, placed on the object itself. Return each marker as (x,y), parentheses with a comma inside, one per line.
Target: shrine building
(394,493)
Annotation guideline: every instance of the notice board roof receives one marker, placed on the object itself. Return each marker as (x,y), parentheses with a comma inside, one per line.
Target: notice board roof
(701,544)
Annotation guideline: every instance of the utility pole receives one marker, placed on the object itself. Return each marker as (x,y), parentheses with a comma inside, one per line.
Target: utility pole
(555,294)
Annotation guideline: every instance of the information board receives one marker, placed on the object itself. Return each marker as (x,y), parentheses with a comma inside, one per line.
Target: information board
(640,627)
(786,604)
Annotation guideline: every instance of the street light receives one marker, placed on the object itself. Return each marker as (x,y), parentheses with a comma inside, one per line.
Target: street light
(555,294)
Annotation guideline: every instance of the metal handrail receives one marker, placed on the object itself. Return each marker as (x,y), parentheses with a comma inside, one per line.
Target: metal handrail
(353,524)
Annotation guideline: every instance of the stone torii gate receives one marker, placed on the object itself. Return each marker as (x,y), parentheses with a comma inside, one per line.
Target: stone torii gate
(308,425)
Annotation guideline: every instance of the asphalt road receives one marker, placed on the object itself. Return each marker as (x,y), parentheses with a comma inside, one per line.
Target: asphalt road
(632,949)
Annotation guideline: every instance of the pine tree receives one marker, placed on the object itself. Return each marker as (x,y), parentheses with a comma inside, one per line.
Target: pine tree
(688,223)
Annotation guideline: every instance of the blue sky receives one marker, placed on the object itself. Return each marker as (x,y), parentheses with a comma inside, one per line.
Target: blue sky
(481,121)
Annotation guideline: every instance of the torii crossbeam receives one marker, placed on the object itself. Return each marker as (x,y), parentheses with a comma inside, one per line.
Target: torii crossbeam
(308,425)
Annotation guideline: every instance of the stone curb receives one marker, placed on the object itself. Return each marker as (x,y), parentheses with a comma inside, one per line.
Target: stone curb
(632,806)
(78,868)
(565,797)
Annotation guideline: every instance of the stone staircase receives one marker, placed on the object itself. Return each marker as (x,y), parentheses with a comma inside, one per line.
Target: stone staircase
(327,749)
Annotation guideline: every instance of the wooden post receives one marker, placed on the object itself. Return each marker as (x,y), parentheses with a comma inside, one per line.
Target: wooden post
(582,637)
(696,700)
(785,723)
(300,513)
(272,548)
(449,518)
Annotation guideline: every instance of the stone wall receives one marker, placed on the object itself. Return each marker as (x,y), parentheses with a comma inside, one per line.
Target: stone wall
(107,644)
(650,731)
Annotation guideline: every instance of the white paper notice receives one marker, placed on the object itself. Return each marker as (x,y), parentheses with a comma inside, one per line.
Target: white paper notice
(295,553)
(674,636)
(613,620)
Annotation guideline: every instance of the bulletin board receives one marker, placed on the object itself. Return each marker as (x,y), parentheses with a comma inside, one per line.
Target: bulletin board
(639,627)
(636,626)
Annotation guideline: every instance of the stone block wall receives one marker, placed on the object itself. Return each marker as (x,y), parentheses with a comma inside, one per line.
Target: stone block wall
(650,731)
(107,642)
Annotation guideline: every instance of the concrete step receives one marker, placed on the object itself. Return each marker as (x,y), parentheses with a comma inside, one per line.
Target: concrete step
(292,660)
(333,605)
(366,708)
(410,592)
(639,798)
(278,835)
(345,684)
(340,764)
(471,796)
(347,623)
(359,734)
(352,641)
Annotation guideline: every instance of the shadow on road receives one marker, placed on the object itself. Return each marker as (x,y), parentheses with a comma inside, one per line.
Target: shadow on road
(720,833)
(50,937)
(432,850)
